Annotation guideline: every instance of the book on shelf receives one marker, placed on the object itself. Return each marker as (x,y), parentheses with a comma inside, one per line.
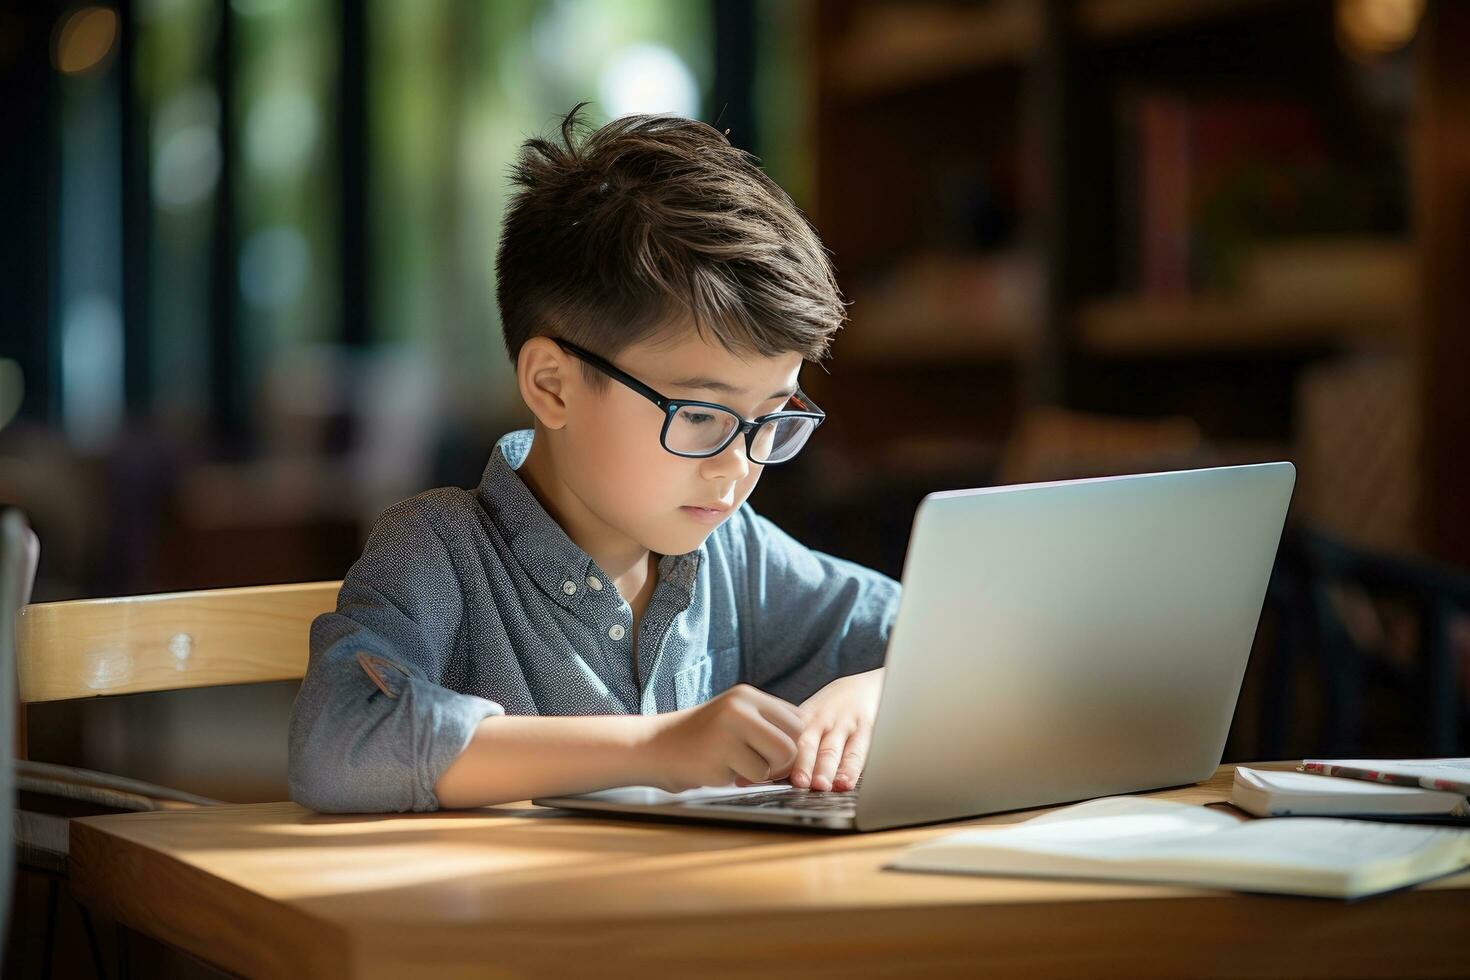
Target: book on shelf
(1148,840)
(1204,181)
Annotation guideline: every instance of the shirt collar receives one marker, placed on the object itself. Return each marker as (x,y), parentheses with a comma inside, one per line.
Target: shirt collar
(540,545)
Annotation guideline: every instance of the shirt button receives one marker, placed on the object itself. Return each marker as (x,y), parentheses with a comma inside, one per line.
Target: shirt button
(569,587)
(616,632)
(594,583)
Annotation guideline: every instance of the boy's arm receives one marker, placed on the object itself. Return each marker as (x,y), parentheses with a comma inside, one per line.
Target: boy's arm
(807,617)
(373,727)
(743,733)
(520,757)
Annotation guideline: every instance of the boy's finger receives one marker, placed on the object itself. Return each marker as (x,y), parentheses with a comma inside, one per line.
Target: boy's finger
(806,756)
(828,756)
(748,764)
(783,715)
(773,745)
(853,757)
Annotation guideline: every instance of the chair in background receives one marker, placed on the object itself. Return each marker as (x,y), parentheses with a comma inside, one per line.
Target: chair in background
(1384,625)
(19,555)
(101,647)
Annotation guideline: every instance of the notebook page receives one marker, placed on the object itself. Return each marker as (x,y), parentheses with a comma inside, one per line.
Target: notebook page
(1116,827)
(1313,844)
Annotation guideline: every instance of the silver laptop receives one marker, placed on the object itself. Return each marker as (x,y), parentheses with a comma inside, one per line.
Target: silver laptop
(1054,642)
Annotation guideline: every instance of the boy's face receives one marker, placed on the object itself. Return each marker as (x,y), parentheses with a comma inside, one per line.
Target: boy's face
(613,460)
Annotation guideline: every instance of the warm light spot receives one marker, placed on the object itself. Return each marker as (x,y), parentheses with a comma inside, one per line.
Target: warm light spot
(1368,28)
(648,78)
(85,39)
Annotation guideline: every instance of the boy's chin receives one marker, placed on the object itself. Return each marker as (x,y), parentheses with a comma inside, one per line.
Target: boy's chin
(674,540)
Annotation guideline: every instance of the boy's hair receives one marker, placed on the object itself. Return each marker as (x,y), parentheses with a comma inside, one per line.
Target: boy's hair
(652,220)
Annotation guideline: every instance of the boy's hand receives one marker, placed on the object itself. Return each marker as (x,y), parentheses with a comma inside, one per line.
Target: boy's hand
(743,735)
(833,747)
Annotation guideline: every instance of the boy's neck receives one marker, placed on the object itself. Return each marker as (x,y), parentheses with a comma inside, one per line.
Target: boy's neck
(630,565)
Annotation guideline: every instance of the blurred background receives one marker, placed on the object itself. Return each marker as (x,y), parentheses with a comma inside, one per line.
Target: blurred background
(248,294)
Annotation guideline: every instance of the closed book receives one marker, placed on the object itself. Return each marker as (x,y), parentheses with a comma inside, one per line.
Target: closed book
(1448,775)
(1139,839)
(1267,793)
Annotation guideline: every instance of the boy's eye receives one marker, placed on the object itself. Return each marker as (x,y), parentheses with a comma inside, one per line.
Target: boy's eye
(697,418)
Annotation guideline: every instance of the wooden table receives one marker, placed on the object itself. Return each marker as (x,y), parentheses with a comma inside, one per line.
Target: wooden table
(276,890)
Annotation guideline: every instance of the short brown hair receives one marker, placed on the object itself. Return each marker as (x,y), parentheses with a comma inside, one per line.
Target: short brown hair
(650,219)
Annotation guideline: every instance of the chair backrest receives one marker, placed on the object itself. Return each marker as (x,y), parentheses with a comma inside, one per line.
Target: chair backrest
(19,554)
(93,647)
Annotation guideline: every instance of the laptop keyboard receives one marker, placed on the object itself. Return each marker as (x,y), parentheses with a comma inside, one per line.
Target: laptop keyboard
(790,799)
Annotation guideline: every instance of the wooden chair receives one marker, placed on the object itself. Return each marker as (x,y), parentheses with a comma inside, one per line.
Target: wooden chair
(19,553)
(101,647)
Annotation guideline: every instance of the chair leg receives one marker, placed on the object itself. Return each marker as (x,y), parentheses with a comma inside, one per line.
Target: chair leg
(1343,668)
(1279,696)
(92,942)
(1441,671)
(53,892)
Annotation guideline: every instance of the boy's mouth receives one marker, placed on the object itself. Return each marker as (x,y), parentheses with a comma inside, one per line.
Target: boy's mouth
(706,514)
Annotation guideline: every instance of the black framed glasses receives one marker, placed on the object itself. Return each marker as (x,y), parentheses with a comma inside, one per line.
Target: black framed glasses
(701,429)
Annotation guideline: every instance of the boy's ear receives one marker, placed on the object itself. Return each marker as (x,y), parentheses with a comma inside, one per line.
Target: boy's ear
(542,372)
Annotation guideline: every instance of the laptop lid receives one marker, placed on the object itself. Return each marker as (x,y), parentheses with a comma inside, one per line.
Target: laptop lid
(1062,641)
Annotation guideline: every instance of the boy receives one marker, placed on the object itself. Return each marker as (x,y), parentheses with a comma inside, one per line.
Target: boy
(605,609)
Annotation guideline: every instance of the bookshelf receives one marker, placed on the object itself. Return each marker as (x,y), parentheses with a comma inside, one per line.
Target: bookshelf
(893,46)
(1033,97)
(1118,327)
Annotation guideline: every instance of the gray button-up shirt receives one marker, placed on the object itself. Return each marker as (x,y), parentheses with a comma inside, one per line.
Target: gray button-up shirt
(465,605)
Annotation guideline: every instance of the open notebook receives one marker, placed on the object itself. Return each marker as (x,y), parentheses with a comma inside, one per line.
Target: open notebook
(1138,839)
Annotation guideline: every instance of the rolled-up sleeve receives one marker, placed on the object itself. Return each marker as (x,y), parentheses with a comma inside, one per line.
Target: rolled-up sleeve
(807,617)
(373,726)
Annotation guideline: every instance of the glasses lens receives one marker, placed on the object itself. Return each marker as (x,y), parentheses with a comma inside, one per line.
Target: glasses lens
(780,439)
(698,429)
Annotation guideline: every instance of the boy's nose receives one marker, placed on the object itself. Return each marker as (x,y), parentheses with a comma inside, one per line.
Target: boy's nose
(731,463)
